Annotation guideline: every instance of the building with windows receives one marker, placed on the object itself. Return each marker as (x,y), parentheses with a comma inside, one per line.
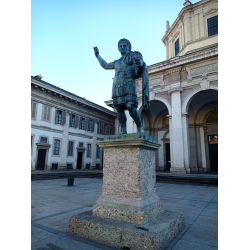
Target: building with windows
(183,113)
(65,129)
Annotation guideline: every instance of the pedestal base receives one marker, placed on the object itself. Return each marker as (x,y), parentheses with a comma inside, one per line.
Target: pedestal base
(154,235)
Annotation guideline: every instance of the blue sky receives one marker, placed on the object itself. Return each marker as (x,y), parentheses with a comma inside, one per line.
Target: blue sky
(63,34)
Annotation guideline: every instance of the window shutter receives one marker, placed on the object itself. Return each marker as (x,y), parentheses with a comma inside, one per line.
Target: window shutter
(76,121)
(102,129)
(48,113)
(55,115)
(70,120)
(98,127)
(108,129)
(63,117)
(80,122)
(86,124)
(33,109)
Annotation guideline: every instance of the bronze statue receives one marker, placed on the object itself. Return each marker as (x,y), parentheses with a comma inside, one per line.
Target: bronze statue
(128,68)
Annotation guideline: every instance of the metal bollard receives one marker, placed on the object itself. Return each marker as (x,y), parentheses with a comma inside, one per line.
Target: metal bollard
(71,178)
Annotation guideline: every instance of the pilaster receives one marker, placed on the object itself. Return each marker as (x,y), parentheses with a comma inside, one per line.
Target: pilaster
(93,155)
(176,127)
(186,142)
(64,145)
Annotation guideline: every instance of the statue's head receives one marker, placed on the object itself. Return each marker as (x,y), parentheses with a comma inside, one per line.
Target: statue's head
(124,46)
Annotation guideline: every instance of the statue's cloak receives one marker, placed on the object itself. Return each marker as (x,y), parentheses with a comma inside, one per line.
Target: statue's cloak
(143,73)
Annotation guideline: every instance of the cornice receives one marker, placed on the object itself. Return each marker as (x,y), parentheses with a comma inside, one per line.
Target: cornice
(81,135)
(46,129)
(97,116)
(183,60)
(66,96)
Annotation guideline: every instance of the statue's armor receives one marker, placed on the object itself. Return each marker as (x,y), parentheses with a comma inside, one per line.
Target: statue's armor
(124,89)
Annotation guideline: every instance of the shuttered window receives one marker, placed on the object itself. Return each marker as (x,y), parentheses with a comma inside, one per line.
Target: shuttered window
(56,147)
(76,121)
(88,150)
(102,128)
(72,121)
(105,129)
(97,151)
(111,131)
(212,25)
(81,125)
(58,117)
(176,46)
(70,148)
(90,127)
(46,113)
(33,110)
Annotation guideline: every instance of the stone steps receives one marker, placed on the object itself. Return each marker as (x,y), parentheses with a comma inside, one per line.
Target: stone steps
(193,179)
(60,175)
(161,177)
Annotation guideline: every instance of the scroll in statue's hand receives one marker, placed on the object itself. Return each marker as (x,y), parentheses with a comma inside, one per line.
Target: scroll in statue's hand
(96,50)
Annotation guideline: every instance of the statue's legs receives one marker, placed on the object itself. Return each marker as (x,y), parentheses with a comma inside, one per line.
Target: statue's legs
(135,116)
(122,119)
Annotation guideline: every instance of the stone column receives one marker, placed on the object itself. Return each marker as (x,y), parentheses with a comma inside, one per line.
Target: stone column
(170,138)
(186,142)
(93,155)
(203,151)
(64,146)
(177,140)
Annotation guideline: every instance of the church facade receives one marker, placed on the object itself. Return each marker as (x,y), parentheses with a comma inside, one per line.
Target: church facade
(183,113)
(65,129)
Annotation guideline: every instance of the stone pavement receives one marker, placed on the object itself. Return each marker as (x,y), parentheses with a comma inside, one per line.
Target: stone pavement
(53,203)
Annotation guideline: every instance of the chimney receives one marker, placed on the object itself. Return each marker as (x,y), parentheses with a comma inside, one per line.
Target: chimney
(38,77)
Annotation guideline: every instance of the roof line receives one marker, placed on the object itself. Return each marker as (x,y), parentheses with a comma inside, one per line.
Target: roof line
(184,55)
(69,92)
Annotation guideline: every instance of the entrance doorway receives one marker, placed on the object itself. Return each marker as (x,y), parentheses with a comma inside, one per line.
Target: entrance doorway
(168,160)
(79,160)
(41,159)
(213,152)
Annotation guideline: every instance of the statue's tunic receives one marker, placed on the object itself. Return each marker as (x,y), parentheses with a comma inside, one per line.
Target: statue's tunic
(124,89)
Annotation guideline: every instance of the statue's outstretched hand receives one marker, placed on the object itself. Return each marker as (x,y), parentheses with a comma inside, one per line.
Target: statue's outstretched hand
(96,51)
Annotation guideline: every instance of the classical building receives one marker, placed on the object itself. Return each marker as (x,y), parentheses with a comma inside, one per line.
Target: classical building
(65,129)
(183,112)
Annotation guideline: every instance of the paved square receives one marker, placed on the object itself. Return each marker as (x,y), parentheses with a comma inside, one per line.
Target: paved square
(53,203)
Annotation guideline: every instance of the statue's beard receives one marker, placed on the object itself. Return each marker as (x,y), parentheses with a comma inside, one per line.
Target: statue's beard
(129,58)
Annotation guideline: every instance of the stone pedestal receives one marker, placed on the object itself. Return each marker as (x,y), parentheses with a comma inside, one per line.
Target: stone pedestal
(129,206)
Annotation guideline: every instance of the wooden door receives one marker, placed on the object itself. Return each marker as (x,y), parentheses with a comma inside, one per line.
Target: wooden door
(41,159)
(79,160)
(168,163)
(213,152)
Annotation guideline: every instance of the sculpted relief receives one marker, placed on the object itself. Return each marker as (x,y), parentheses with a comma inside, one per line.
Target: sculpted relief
(204,69)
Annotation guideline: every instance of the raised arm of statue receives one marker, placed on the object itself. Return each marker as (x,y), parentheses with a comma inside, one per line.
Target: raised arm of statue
(102,62)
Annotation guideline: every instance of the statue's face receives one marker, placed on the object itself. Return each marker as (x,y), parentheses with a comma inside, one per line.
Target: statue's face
(123,48)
